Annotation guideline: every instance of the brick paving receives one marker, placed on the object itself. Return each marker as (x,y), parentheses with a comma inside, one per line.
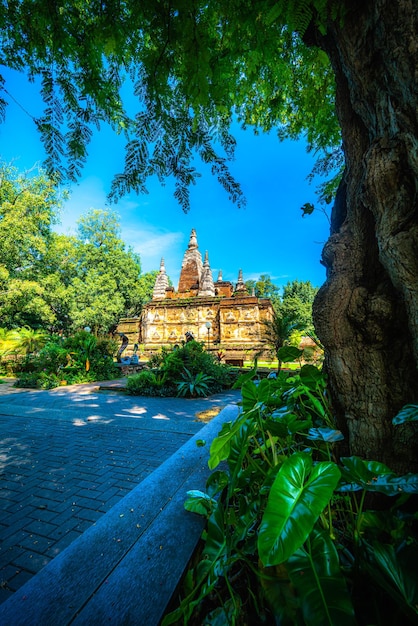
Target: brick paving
(68,455)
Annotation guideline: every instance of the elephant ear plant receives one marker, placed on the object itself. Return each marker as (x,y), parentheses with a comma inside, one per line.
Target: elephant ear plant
(294,534)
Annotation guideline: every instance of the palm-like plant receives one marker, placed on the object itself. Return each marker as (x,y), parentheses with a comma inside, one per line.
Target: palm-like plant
(87,347)
(278,330)
(7,341)
(193,385)
(29,340)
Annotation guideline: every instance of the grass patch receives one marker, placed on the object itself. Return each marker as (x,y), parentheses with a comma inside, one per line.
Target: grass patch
(208,414)
(272,365)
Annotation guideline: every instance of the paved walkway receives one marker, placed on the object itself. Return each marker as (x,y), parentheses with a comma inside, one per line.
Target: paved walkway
(68,455)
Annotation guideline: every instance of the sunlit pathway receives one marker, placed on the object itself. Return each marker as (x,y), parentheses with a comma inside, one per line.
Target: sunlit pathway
(68,455)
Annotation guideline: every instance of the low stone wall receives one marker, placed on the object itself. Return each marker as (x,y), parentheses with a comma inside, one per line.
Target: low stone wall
(125,568)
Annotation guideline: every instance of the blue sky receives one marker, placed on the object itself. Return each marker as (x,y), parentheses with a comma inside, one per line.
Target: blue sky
(269,236)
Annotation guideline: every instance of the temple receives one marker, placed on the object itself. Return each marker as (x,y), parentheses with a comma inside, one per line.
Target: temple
(223,315)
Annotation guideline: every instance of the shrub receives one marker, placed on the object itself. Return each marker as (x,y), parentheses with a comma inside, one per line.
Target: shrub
(146,383)
(52,358)
(76,359)
(38,380)
(170,366)
(194,385)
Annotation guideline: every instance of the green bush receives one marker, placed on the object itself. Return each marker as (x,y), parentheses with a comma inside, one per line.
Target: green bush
(147,383)
(171,365)
(76,359)
(194,385)
(52,358)
(38,380)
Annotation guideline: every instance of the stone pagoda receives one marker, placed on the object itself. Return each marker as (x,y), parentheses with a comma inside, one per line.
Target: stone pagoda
(227,318)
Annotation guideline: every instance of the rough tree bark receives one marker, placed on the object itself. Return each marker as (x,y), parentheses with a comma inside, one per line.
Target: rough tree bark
(366,314)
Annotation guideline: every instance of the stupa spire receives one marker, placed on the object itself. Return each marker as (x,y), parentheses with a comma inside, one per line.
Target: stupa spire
(193,240)
(161,283)
(191,268)
(206,287)
(240,286)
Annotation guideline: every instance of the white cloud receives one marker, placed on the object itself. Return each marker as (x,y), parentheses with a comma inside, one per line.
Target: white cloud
(153,244)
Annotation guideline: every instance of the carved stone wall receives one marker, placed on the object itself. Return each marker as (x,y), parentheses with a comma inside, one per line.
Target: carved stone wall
(236,324)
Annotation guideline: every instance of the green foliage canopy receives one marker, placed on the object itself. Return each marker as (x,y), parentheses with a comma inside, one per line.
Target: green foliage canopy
(191,68)
(56,281)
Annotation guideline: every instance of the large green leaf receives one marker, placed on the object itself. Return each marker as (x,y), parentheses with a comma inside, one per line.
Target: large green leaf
(249,393)
(316,575)
(298,495)
(221,445)
(239,445)
(243,378)
(282,422)
(408,413)
(199,502)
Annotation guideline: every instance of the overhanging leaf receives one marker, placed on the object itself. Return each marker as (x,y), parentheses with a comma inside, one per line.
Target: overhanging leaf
(325,434)
(395,571)
(297,497)
(310,376)
(287,354)
(408,413)
(376,477)
(216,482)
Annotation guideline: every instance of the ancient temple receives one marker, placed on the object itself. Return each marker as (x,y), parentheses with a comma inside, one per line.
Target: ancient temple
(223,315)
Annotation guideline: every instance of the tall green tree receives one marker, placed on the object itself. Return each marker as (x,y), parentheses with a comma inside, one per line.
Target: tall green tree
(263,287)
(145,287)
(303,290)
(106,285)
(327,69)
(58,282)
(278,331)
(29,206)
(296,303)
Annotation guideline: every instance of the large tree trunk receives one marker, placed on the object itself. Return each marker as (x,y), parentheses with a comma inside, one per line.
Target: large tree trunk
(366,314)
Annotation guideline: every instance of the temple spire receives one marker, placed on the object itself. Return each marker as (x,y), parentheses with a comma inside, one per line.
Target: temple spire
(191,268)
(206,287)
(240,286)
(193,240)
(161,283)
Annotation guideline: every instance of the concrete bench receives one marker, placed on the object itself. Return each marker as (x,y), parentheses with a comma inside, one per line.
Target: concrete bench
(125,568)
